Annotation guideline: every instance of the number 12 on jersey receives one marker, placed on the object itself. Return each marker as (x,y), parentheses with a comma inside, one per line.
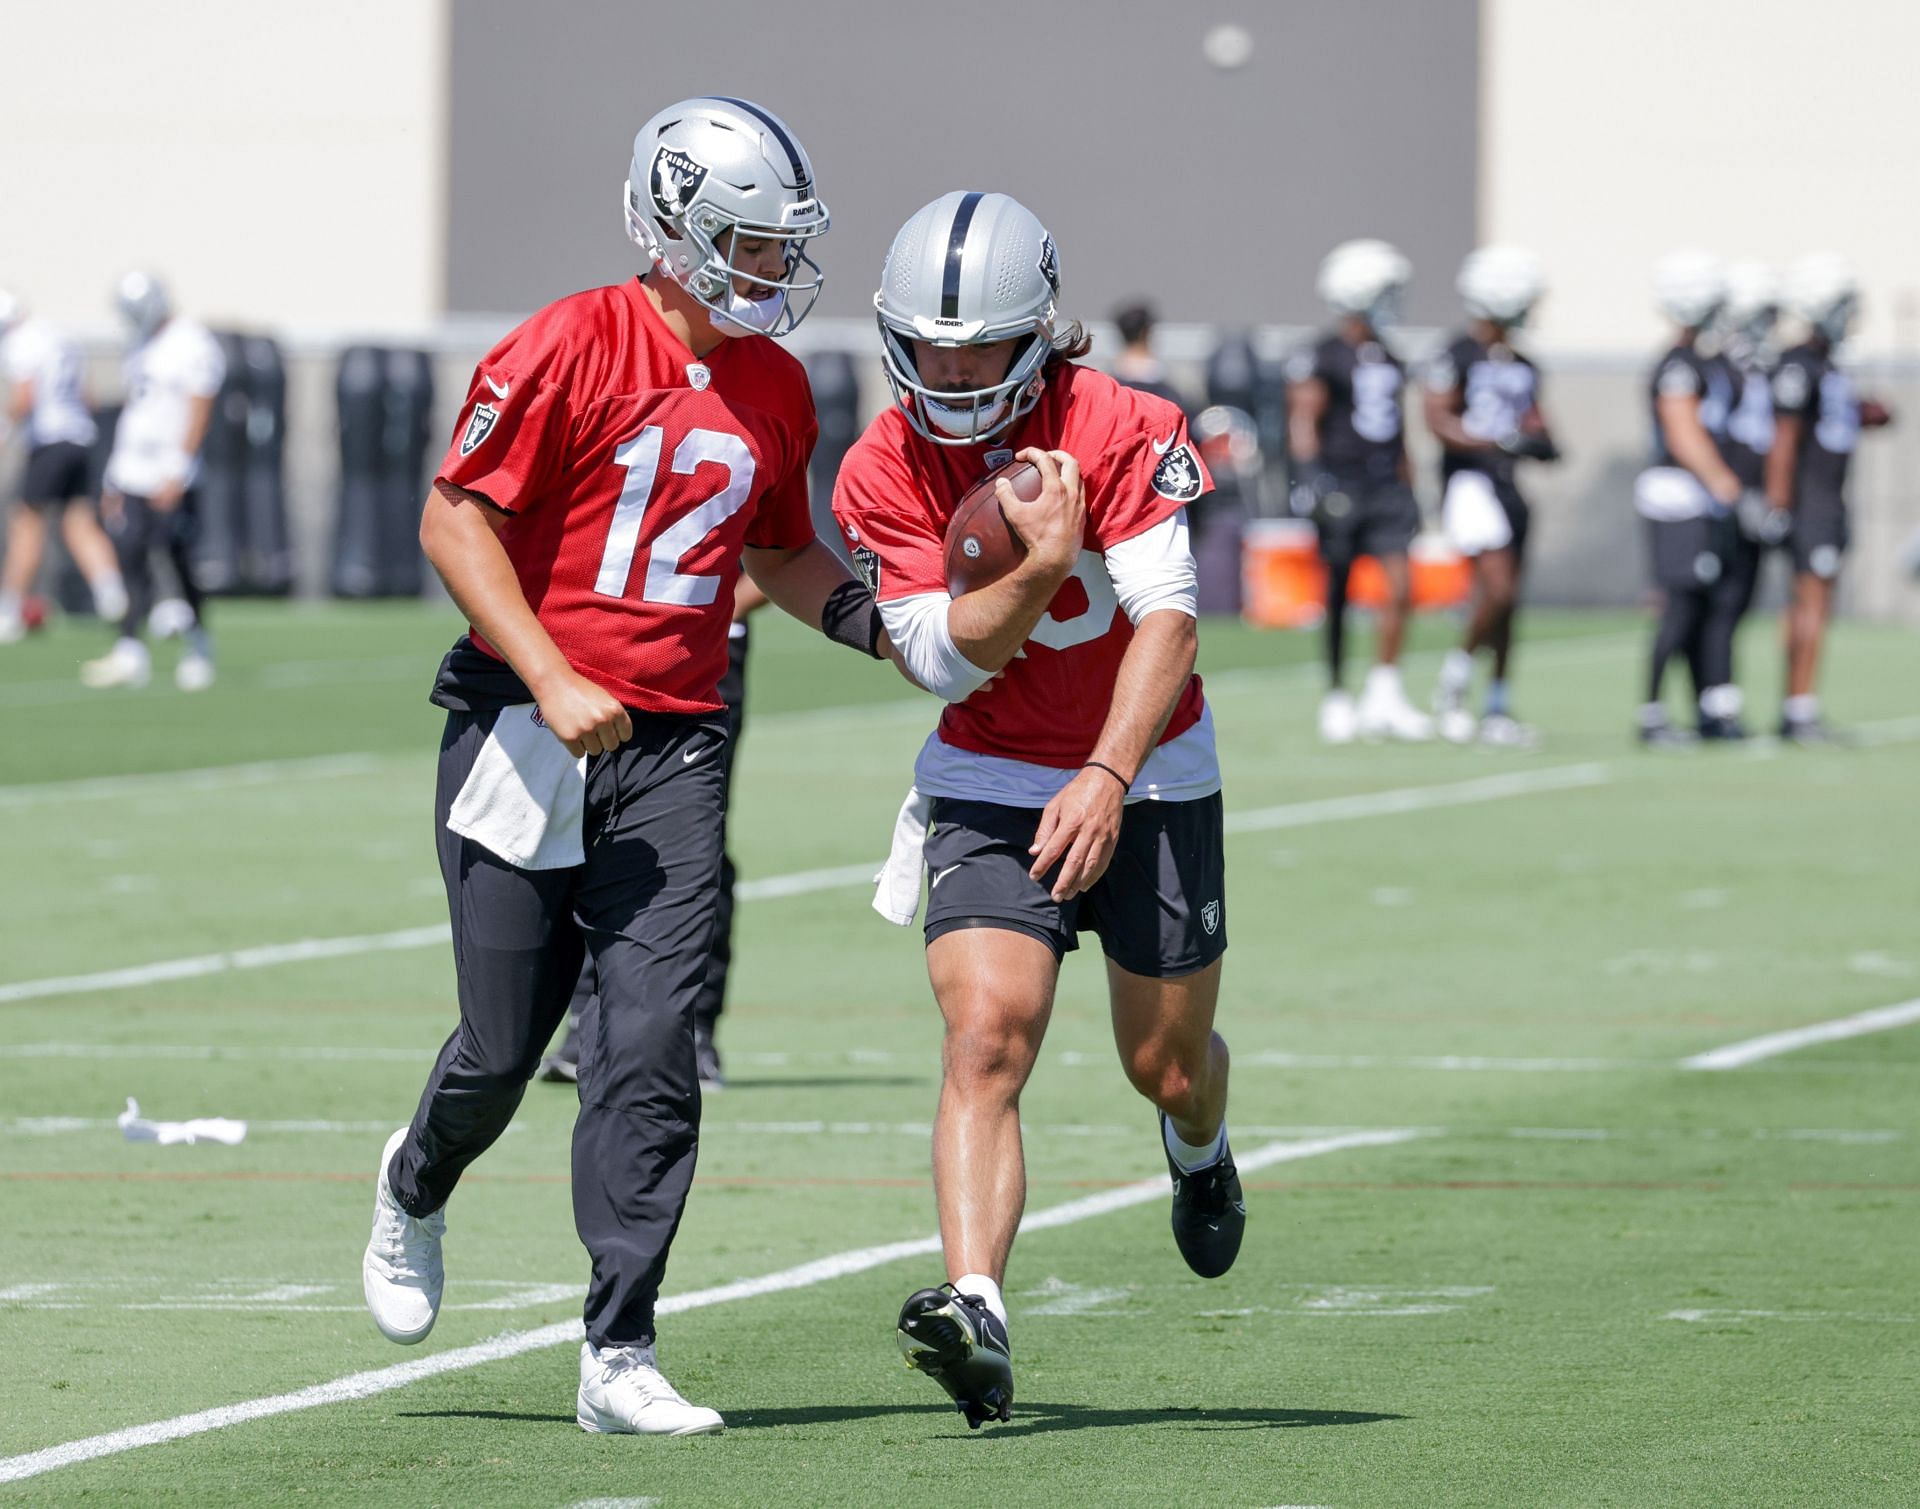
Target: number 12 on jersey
(640,458)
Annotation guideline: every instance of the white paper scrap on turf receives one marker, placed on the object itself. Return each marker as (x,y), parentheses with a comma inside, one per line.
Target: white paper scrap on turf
(137,1128)
(513,1343)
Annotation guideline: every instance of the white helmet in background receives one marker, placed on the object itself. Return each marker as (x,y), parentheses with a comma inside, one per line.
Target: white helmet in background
(1689,287)
(142,302)
(1753,299)
(1823,291)
(969,269)
(1366,278)
(707,166)
(1501,284)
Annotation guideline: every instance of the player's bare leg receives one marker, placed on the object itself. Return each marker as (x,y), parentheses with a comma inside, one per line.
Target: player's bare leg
(1385,712)
(1806,620)
(1164,1031)
(995,990)
(94,554)
(26,544)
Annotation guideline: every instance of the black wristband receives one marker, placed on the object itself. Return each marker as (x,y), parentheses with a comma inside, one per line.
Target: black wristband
(851,617)
(1125,784)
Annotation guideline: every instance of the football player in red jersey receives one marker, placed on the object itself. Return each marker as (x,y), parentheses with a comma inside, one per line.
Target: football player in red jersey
(1072,783)
(617,456)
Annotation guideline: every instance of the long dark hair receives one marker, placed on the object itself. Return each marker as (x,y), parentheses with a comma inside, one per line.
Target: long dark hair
(1070,342)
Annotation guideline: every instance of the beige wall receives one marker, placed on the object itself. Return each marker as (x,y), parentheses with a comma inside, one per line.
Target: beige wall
(1616,130)
(281,165)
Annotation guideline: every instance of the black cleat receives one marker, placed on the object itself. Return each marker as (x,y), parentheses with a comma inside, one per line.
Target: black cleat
(1209,1215)
(962,1345)
(1726,730)
(559,1068)
(1811,733)
(1666,736)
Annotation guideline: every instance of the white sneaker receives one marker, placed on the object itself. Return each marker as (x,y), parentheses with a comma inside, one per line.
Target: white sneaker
(624,1393)
(126,664)
(13,628)
(1385,712)
(401,1272)
(1456,725)
(1503,731)
(1338,721)
(194,673)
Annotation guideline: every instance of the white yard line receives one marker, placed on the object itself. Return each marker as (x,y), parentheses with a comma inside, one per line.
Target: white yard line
(204,778)
(1491,788)
(514,1343)
(1771,1045)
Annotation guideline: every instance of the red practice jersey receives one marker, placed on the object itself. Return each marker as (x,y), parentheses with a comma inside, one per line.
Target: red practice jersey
(897,491)
(634,474)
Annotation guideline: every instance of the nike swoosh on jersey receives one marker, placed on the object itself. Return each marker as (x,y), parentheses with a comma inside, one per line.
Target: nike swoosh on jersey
(1160,447)
(500,389)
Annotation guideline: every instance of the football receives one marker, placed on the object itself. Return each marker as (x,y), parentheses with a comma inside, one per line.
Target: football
(981,546)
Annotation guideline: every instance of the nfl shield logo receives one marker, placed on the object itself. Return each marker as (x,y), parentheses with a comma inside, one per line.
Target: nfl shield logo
(479,426)
(997,459)
(1210,917)
(698,376)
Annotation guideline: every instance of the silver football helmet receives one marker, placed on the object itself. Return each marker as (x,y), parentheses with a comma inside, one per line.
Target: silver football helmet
(1501,284)
(1823,290)
(1368,278)
(1753,300)
(968,270)
(142,302)
(1690,287)
(707,166)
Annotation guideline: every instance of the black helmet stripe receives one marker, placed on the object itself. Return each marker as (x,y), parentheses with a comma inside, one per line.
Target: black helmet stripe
(794,160)
(956,245)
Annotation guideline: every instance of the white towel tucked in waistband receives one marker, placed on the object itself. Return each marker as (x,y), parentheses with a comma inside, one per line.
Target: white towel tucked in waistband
(1668,494)
(896,894)
(525,798)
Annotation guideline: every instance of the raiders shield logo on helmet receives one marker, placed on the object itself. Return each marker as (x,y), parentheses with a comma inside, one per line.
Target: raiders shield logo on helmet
(673,181)
(1050,264)
(1178,475)
(866,565)
(479,426)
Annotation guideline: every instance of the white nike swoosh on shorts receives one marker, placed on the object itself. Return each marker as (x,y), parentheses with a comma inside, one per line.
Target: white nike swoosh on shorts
(941,876)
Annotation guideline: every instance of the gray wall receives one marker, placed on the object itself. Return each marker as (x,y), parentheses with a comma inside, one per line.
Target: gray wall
(1214,192)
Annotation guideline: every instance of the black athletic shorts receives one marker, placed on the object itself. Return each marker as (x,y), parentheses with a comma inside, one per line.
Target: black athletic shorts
(1821,534)
(1364,516)
(55,473)
(1690,555)
(1160,910)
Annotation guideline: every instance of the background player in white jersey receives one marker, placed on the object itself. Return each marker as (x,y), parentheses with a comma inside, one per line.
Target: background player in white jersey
(45,394)
(1346,436)
(1482,404)
(172,370)
(1072,783)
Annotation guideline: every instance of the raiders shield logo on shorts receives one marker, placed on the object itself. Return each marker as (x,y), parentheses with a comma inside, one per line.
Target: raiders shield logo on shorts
(479,426)
(1178,475)
(1210,916)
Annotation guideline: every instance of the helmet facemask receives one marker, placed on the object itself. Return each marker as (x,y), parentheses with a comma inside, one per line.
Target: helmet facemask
(714,281)
(978,414)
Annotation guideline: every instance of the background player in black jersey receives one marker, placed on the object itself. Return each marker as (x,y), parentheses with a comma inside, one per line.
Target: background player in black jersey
(1745,359)
(1688,492)
(1482,403)
(1347,439)
(1817,420)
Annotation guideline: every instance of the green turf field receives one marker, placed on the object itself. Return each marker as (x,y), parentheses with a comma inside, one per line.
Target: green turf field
(1502,1247)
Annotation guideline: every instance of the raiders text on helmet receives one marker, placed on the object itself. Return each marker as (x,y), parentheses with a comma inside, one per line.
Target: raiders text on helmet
(706,166)
(968,270)
(1689,287)
(1366,278)
(1500,283)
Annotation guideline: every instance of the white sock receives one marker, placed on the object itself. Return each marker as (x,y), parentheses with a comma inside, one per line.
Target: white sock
(129,648)
(1802,709)
(1723,701)
(1384,678)
(1190,1157)
(9,604)
(985,1290)
(198,643)
(109,595)
(1456,671)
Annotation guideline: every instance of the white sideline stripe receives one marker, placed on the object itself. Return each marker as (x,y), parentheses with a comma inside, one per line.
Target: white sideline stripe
(1737,1055)
(514,1343)
(202,778)
(803,882)
(299,951)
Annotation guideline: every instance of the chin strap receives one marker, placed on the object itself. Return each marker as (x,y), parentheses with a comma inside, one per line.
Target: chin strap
(851,617)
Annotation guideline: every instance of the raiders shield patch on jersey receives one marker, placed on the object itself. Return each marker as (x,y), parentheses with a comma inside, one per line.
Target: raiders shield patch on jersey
(1178,475)
(866,566)
(673,180)
(479,426)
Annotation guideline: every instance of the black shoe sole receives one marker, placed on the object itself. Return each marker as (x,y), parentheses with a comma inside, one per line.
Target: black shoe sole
(1209,1247)
(935,1341)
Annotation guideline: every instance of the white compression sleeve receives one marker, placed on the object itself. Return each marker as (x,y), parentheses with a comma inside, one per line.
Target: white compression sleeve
(1154,570)
(918,627)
